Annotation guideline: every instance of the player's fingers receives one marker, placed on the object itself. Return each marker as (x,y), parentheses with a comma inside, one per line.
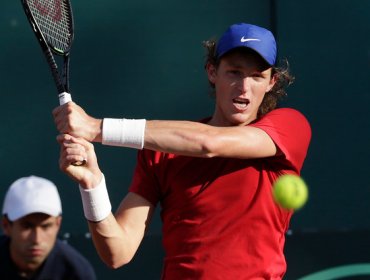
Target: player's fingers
(71,145)
(67,138)
(75,150)
(63,117)
(78,147)
(70,159)
(64,126)
(64,109)
(63,138)
(71,154)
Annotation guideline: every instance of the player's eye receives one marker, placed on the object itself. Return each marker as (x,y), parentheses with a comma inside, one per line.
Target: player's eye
(46,226)
(257,75)
(234,72)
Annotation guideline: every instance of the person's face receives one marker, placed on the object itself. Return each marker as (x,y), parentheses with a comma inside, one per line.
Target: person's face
(241,82)
(31,239)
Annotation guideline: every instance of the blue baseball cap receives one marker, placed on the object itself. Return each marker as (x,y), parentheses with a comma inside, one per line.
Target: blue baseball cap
(250,36)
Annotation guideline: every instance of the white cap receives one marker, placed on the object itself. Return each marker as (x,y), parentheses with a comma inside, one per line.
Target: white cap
(29,195)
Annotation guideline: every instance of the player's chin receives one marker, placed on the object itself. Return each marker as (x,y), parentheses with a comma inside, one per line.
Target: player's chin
(34,261)
(240,119)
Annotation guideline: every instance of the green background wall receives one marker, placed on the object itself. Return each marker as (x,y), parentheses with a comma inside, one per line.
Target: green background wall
(144,59)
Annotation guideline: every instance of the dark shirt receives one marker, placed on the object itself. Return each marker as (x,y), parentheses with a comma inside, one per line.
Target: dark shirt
(64,262)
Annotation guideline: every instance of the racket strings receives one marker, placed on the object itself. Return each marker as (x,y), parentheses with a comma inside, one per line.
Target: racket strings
(54,21)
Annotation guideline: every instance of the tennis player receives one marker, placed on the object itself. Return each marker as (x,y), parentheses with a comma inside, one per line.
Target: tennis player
(212,178)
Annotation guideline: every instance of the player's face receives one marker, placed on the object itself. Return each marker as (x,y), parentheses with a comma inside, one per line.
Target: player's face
(241,82)
(32,238)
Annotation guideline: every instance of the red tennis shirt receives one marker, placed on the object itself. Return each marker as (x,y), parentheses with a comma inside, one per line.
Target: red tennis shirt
(219,217)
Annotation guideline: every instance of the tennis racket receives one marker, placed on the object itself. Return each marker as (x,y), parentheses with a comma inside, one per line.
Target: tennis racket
(52,23)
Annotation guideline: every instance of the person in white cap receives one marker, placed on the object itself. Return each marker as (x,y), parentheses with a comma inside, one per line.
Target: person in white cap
(31,221)
(213,178)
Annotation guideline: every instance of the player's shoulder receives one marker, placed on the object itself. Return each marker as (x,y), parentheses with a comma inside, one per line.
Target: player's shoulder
(286,110)
(285,119)
(289,113)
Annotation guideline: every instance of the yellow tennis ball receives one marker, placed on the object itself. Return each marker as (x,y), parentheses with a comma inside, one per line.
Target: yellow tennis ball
(290,191)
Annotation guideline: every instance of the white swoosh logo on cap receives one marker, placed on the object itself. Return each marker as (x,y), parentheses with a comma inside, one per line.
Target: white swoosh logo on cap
(248,39)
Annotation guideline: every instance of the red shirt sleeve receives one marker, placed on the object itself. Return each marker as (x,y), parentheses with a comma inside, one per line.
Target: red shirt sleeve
(290,131)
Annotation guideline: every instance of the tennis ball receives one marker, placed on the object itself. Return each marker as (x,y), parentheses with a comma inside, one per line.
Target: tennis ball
(290,191)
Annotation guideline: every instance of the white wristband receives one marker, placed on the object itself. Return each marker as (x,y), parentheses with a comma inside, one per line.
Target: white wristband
(124,132)
(96,203)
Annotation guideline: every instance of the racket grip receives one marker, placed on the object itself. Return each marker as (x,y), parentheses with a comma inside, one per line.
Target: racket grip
(64,98)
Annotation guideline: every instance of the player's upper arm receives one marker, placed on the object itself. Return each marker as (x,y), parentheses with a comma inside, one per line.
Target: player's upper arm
(240,142)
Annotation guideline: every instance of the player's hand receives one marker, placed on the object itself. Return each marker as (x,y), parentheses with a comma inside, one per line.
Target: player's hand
(73,150)
(71,119)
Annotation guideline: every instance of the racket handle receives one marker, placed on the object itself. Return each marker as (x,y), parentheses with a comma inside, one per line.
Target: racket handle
(64,98)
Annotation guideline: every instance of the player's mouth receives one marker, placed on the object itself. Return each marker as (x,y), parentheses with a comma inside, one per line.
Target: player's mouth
(35,252)
(241,103)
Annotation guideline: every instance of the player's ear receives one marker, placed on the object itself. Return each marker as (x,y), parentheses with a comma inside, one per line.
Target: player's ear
(59,221)
(271,83)
(5,225)
(211,72)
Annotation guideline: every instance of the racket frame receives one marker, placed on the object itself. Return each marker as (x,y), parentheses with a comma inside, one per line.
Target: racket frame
(61,82)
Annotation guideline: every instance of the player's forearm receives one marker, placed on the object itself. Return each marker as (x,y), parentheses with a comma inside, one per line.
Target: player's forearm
(181,137)
(112,242)
(178,137)
(189,138)
(115,244)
